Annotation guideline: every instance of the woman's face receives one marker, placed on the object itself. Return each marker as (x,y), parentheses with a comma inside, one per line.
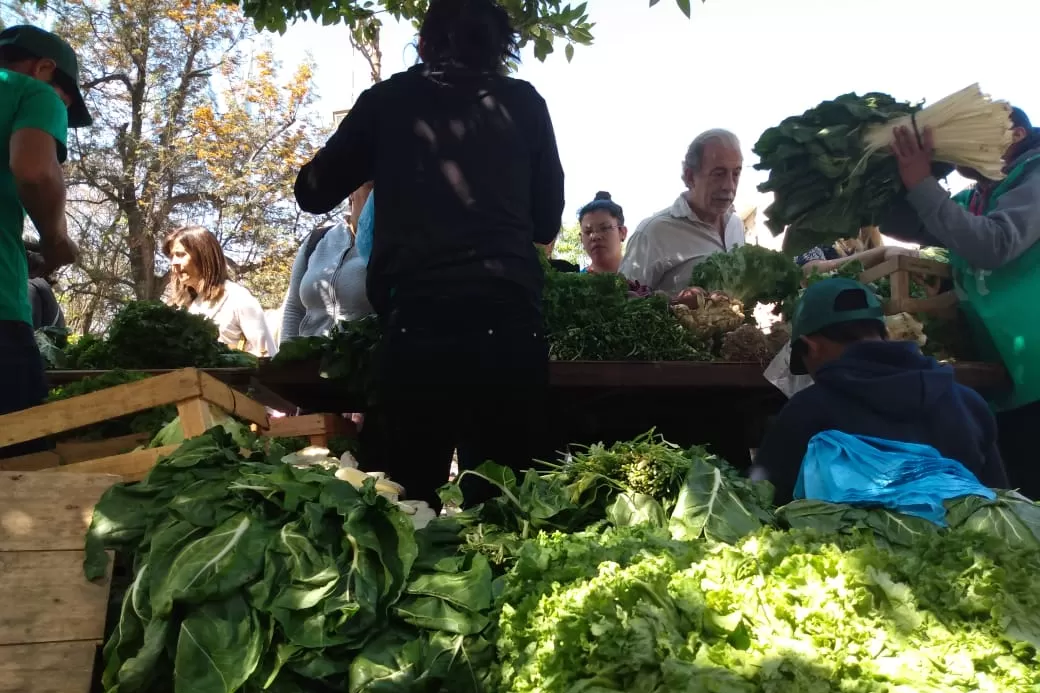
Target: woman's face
(601,237)
(181,264)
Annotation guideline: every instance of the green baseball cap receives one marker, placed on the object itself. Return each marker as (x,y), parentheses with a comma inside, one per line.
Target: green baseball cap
(44,44)
(817,310)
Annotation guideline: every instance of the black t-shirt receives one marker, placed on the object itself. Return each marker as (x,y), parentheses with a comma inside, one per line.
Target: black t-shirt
(469,179)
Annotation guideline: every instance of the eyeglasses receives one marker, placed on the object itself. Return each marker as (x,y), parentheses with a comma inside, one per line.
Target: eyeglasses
(602,228)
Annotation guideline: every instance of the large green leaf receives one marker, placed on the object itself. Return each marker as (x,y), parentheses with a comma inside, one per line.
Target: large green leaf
(219,646)
(214,565)
(709,506)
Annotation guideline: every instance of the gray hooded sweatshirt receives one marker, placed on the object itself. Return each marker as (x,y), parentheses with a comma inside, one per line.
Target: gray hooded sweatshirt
(929,216)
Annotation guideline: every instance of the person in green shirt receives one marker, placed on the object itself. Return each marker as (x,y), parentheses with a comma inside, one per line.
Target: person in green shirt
(992,232)
(39,100)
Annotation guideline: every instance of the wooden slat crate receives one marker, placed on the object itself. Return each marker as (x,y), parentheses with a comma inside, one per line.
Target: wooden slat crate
(900,270)
(317,428)
(195,393)
(53,619)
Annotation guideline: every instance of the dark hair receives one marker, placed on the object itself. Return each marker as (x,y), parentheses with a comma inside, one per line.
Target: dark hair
(1019,119)
(477,34)
(9,55)
(208,258)
(603,201)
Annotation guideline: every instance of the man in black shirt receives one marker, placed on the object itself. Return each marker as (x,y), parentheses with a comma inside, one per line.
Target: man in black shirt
(469,180)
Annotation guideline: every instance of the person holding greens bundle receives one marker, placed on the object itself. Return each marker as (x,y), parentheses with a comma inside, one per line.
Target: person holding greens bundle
(992,231)
(468,180)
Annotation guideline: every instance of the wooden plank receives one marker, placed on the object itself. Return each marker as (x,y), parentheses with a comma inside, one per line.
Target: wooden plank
(235,377)
(930,305)
(47,599)
(54,667)
(78,451)
(656,374)
(130,466)
(196,417)
(906,263)
(307,425)
(32,462)
(924,266)
(232,401)
(47,512)
(69,414)
(878,271)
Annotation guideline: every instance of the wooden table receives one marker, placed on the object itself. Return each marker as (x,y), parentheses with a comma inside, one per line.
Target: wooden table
(726,405)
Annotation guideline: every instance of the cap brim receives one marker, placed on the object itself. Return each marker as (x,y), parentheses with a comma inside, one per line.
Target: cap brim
(79,116)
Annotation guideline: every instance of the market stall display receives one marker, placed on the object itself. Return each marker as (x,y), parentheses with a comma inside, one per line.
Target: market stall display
(641,566)
(831,171)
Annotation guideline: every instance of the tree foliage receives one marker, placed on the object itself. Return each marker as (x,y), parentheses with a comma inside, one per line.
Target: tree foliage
(568,245)
(540,22)
(194,122)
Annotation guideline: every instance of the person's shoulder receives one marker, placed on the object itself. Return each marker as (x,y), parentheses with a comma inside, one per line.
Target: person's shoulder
(656,222)
(973,401)
(238,292)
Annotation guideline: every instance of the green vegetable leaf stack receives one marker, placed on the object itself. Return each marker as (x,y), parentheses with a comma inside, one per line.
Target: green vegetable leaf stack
(824,185)
(634,567)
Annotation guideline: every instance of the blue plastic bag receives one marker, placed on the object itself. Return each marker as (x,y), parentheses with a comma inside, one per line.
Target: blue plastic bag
(908,478)
(365,226)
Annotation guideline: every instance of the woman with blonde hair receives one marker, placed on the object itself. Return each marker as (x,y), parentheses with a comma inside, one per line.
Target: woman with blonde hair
(199,283)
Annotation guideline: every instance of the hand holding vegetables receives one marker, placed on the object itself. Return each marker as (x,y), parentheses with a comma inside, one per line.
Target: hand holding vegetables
(914,158)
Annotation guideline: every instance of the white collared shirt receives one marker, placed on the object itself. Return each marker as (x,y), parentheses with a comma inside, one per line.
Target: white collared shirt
(663,250)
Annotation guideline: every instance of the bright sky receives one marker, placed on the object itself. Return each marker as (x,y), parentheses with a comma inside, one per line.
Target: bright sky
(627,107)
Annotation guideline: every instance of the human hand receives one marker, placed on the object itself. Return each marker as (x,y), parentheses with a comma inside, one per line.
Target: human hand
(357,418)
(914,158)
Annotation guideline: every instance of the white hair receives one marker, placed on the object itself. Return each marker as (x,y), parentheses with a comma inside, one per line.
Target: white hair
(695,152)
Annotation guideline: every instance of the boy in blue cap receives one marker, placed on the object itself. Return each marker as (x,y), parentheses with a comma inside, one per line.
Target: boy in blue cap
(39,100)
(866,385)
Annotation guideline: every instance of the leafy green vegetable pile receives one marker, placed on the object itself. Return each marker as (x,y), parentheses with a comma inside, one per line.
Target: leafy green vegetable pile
(588,317)
(348,354)
(752,275)
(824,186)
(150,335)
(591,317)
(639,567)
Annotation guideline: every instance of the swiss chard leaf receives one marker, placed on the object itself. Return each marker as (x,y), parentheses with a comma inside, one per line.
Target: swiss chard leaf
(709,506)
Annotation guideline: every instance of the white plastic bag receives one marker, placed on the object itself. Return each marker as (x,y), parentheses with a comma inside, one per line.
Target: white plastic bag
(778,372)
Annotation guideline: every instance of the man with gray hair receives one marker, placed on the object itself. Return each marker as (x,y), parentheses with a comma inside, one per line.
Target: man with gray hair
(663,250)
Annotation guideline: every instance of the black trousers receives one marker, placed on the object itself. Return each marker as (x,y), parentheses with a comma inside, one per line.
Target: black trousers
(463,373)
(23,382)
(1018,432)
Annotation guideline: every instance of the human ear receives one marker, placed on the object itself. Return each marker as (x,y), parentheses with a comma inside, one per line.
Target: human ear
(1017,134)
(622,232)
(44,69)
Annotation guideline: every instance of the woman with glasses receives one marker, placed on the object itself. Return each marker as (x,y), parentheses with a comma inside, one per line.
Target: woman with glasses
(603,230)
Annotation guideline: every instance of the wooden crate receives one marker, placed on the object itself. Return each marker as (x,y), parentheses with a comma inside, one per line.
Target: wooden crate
(317,428)
(53,618)
(196,394)
(900,269)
